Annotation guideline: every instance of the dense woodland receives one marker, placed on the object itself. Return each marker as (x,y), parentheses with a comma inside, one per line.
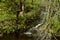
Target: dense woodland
(19,16)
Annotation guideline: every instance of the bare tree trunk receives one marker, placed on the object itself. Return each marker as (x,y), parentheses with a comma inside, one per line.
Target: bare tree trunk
(22,7)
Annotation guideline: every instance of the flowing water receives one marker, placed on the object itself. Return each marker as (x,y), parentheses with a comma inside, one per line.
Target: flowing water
(32,34)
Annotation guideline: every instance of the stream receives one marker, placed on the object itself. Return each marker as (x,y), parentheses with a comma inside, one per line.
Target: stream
(33,33)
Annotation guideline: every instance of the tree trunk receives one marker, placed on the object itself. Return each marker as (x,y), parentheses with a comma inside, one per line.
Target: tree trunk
(22,7)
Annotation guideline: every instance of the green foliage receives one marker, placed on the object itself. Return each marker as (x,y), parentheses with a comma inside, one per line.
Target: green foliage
(8,11)
(56,24)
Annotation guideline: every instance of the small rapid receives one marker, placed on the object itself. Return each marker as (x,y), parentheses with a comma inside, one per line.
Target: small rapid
(39,34)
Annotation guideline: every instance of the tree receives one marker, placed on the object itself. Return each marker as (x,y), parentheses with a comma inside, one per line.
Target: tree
(21,7)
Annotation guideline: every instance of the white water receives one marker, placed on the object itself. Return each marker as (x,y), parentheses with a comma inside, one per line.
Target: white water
(39,34)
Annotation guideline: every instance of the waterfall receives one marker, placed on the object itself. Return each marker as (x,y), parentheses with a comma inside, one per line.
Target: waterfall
(39,34)
(36,27)
(41,22)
